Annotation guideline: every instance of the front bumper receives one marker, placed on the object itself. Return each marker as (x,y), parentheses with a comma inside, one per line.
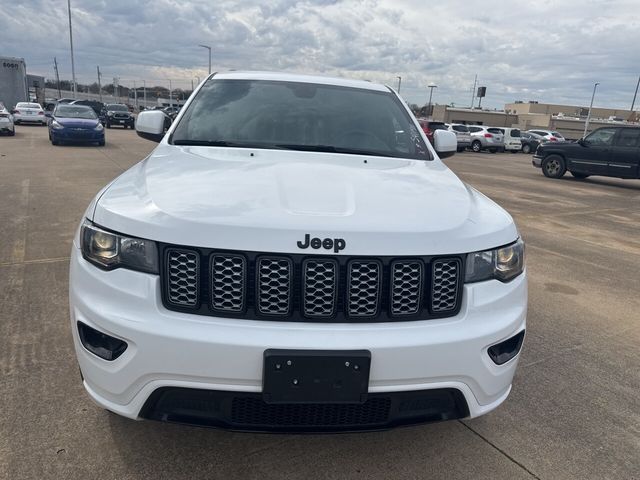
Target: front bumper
(183,351)
(129,121)
(77,136)
(536,161)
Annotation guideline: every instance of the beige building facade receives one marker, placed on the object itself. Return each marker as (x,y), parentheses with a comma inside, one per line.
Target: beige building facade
(569,120)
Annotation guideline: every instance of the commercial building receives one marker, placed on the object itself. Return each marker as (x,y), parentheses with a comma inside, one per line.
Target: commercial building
(569,120)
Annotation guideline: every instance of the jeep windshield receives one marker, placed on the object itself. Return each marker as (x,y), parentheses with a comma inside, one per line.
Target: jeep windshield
(300,116)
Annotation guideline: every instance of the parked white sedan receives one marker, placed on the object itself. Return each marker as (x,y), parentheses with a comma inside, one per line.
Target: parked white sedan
(6,121)
(27,112)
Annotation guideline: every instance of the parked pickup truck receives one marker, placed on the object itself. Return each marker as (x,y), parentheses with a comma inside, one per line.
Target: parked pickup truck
(610,151)
(295,256)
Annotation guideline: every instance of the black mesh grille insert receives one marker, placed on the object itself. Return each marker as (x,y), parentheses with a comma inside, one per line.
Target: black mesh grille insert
(444,292)
(320,288)
(182,272)
(364,288)
(228,278)
(253,411)
(406,287)
(274,285)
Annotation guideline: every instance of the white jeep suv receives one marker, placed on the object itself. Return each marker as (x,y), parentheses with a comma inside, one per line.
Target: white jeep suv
(294,256)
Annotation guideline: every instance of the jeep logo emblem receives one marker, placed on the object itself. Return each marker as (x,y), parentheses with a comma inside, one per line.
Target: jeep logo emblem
(336,244)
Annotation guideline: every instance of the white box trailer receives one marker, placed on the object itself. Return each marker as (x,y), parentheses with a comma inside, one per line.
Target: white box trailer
(13,81)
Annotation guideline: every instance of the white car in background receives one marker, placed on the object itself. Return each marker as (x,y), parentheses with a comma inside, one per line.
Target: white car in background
(6,121)
(462,135)
(512,141)
(549,135)
(27,112)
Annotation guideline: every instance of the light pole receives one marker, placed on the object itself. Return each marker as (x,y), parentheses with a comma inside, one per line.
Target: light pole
(431,87)
(208,48)
(170,97)
(73,67)
(144,90)
(399,83)
(586,124)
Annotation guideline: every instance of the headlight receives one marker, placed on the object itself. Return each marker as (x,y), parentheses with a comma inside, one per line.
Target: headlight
(109,250)
(56,125)
(99,127)
(501,264)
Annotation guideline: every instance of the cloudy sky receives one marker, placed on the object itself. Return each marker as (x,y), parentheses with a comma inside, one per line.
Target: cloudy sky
(546,50)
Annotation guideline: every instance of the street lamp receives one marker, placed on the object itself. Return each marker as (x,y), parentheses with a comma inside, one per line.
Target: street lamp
(586,124)
(399,83)
(208,48)
(73,67)
(431,87)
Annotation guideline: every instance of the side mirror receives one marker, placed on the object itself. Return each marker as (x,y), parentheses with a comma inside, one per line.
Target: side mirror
(445,143)
(47,114)
(150,125)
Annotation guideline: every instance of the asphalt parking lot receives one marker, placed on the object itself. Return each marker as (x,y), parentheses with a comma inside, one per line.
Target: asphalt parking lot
(574,411)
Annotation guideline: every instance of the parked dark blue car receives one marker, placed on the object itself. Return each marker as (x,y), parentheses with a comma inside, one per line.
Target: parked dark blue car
(75,124)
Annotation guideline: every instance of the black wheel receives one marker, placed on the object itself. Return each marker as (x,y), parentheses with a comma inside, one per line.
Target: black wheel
(460,149)
(101,144)
(514,151)
(579,176)
(526,148)
(553,166)
(54,142)
(108,125)
(12,132)
(493,150)
(476,146)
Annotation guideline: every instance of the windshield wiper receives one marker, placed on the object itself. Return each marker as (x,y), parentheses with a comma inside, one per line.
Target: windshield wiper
(333,149)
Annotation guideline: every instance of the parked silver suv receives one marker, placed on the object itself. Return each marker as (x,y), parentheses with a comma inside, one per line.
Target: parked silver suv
(486,138)
(462,135)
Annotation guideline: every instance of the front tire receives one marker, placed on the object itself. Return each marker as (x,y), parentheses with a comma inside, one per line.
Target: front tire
(493,150)
(476,146)
(553,166)
(108,125)
(12,133)
(526,148)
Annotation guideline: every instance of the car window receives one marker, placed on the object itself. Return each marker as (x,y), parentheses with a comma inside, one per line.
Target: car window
(300,116)
(495,130)
(475,129)
(628,137)
(515,133)
(557,134)
(601,137)
(117,108)
(460,128)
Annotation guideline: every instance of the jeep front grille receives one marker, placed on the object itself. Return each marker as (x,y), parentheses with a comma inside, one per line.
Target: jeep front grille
(310,288)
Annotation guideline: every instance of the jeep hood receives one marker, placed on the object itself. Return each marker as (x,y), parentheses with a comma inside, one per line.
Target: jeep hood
(268,200)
